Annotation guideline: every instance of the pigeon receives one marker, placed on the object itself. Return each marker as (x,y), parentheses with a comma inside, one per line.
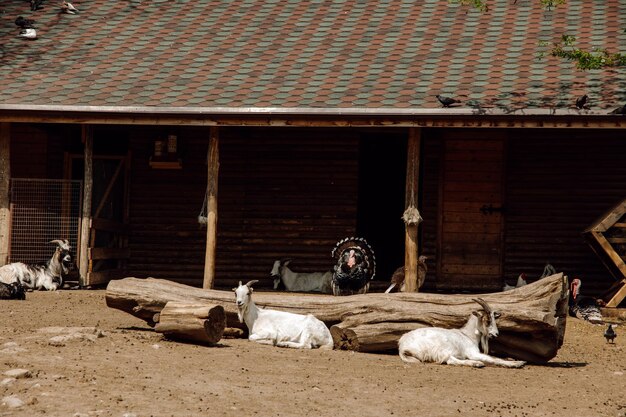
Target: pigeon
(36,5)
(581,101)
(446,101)
(28,33)
(68,8)
(24,23)
(619,110)
(610,334)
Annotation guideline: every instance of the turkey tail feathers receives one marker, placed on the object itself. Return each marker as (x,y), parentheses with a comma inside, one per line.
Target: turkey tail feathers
(353,242)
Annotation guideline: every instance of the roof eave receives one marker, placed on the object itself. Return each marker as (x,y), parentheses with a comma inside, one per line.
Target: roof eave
(298,116)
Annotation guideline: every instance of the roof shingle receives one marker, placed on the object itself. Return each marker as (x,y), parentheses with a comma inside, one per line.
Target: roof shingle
(308,54)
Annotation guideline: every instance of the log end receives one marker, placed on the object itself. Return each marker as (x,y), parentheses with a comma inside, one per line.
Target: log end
(215,324)
(344,339)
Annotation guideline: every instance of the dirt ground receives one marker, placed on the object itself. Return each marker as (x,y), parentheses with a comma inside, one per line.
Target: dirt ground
(85,359)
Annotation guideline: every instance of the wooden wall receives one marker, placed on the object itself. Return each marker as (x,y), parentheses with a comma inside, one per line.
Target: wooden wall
(282,193)
(556,184)
(559,183)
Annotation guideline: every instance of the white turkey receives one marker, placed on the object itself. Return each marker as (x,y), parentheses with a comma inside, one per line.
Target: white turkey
(584,307)
(355,266)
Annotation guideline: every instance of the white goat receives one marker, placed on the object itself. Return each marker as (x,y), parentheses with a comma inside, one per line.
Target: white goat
(280,328)
(300,281)
(456,346)
(36,277)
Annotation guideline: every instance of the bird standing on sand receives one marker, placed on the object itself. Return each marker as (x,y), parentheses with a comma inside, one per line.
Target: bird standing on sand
(610,334)
(581,101)
(446,101)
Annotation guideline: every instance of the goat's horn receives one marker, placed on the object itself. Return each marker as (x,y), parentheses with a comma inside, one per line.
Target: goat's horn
(483,303)
(249,283)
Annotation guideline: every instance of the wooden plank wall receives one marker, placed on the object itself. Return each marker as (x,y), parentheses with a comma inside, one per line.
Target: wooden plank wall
(559,183)
(29,151)
(432,150)
(282,193)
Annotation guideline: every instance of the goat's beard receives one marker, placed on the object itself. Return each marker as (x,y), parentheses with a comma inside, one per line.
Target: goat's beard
(240,314)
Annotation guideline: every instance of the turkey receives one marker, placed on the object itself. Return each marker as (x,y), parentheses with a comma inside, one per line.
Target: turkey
(397,279)
(355,266)
(583,307)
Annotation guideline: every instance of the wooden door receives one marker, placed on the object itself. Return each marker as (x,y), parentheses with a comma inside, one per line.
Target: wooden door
(471,213)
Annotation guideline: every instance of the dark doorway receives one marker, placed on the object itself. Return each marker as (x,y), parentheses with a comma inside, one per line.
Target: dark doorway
(382,175)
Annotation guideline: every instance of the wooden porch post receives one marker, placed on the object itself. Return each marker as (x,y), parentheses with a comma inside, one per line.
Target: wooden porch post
(213,162)
(85,224)
(411,215)
(5,178)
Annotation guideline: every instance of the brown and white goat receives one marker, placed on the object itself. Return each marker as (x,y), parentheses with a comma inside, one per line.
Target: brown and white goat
(456,346)
(48,276)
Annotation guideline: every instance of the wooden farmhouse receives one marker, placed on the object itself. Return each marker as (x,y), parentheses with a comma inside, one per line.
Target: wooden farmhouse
(199,141)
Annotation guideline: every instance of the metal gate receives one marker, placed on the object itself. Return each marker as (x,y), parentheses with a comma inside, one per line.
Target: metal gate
(43,210)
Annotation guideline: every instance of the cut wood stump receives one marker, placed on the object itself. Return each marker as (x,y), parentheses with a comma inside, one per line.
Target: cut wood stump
(532,322)
(191,322)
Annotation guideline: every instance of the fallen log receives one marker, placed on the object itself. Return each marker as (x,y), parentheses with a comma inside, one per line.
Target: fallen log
(532,324)
(192,323)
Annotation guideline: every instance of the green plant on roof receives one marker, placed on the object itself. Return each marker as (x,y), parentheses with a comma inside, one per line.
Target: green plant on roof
(597,58)
(483,5)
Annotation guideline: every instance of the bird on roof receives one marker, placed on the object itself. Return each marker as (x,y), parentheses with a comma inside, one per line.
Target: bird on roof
(619,110)
(23,23)
(28,33)
(446,101)
(67,7)
(581,101)
(610,334)
(36,5)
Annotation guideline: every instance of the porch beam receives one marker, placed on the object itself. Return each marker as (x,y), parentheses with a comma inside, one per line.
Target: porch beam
(213,162)
(85,223)
(5,179)
(411,215)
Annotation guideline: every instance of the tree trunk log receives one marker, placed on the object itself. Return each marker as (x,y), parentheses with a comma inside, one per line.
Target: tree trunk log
(532,324)
(191,322)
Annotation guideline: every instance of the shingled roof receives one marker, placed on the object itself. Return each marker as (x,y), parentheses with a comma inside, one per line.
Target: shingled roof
(329,54)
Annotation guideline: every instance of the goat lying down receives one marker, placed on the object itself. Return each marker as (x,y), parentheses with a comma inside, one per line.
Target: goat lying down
(280,328)
(456,346)
(41,277)
(300,281)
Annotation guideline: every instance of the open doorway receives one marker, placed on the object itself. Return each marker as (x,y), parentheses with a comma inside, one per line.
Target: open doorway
(382,177)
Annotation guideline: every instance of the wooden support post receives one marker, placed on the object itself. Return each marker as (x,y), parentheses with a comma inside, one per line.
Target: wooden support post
(85,223)
(5,178)
(213,161)
(411,215)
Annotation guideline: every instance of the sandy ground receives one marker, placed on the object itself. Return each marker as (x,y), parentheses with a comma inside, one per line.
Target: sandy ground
(85,359)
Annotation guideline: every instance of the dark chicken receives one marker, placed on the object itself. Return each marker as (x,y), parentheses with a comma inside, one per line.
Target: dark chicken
(12,291)
(355,266)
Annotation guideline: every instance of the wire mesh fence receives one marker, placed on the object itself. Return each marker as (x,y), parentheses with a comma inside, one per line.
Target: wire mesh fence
(43,210)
